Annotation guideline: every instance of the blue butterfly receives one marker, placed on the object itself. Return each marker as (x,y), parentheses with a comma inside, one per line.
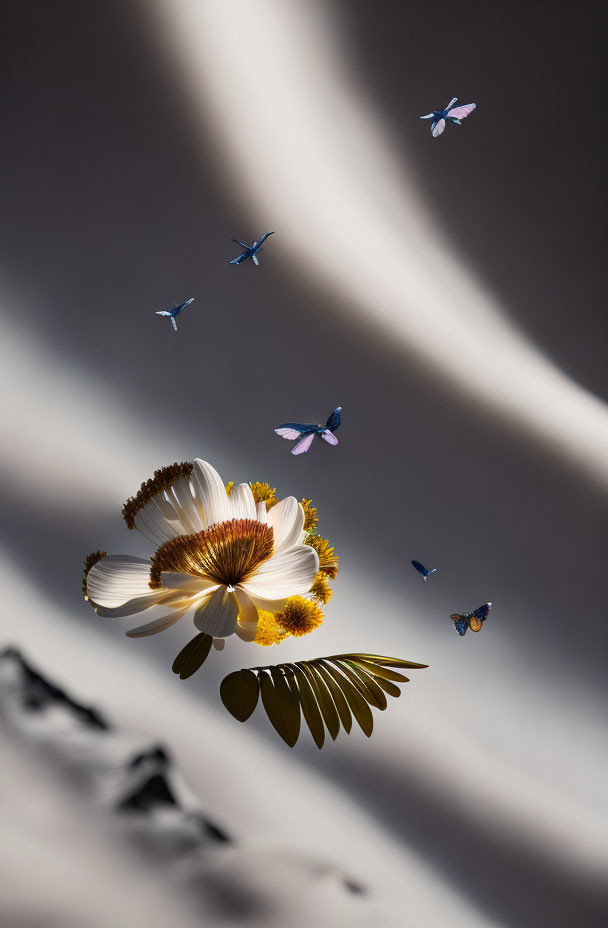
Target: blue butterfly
(251,251)
(451,113)
(472,620)
(426,573)
(173,313)
(293,430)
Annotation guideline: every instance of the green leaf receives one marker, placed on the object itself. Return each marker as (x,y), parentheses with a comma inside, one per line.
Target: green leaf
(310,709)
(324,700)
(371,691)
(281,677)
(378,671)
(192,657)
(387,661)
(388,687)
(355,700)
(338,696)
(327,691)
(239,692)
(282,706)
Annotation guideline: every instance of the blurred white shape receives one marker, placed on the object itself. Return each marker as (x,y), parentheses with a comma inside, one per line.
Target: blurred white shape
(270,86)
(61,426)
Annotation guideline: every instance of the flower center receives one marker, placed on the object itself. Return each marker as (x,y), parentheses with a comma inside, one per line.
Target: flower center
(227,553)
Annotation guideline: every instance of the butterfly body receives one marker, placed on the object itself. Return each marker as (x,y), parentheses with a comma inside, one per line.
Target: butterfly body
(306,433)
(450,114)
(250,251)
(174,313)
(426,573)
(472,620)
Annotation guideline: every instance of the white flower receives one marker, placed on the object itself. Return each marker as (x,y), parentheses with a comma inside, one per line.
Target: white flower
(219,556)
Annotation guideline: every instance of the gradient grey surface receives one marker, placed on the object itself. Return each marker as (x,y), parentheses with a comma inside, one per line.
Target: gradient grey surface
(110,211)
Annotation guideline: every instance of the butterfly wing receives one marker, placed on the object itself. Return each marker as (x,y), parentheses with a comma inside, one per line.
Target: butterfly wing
(483,611)
(461,622)
(438,128)
(163,312)
(420,568)
(334,420)
(451,103)
(329,437)
(303,446)
(461,112)
(300,428)
(286,431)
(428,116)
(174,323)
(478,617)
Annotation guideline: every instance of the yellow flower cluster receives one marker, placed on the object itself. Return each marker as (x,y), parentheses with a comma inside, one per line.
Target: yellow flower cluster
(269,631)
(321,589)
(300,616)
(310,515)
(328,559)
(264,493)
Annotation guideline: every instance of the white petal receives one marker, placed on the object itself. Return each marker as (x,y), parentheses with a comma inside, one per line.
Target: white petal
(165,510)
(261,513)
(218,614)
(153,525)
(287,573)
(186,583)
(159,625)
(246,632)
(210,493)
(287,522)
(248,614)
(180,496)
(218,643)
(135,605)
(247,625)
(269,605)
(118,578)
(242,502)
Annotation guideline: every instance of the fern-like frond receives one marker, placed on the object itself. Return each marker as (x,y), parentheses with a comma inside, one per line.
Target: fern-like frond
(327,693)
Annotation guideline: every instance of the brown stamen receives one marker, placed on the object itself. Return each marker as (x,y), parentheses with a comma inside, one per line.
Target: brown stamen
(162,480)
(227,553)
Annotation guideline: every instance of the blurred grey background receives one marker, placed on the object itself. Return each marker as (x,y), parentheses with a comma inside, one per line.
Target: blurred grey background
(138,139)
